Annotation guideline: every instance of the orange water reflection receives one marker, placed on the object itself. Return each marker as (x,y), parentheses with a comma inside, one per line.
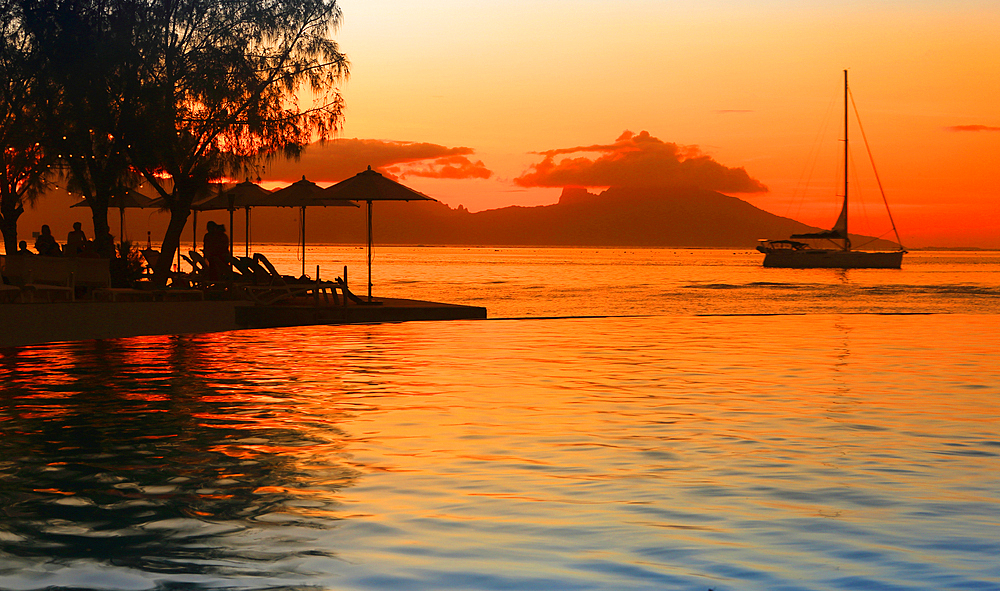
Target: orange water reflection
(540,282)
(824,451)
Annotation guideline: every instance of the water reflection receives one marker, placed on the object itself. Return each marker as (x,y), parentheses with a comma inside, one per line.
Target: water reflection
(542,282)
(753,452)
(150,454)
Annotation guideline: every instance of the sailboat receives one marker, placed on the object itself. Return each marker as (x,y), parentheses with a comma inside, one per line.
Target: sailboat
(795,254)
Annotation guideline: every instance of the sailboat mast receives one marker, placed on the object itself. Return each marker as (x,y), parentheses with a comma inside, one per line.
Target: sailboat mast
(847,241)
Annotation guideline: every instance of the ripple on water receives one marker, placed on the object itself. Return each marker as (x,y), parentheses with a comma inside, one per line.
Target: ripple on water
(814,452)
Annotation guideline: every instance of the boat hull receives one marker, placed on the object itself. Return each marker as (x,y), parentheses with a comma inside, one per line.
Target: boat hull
(832,259)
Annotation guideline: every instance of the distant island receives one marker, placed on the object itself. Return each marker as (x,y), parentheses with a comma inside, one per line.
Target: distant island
(648,217)
(616,217)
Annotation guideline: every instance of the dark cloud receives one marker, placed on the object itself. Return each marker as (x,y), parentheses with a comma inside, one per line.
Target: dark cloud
(446,167)
(336,160)
(972,128)
(637,161)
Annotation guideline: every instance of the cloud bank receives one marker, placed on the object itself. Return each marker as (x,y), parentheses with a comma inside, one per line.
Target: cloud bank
(637,161)
(972,128)
(339,159)
(446,167)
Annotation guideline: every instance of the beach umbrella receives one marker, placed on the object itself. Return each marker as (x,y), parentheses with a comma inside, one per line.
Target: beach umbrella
(371,186)
(302,194)
(243,195)
(126,199)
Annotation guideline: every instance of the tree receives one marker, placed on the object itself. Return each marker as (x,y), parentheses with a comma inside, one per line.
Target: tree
(219,91)
(182,92)
(88,57)
(24,165)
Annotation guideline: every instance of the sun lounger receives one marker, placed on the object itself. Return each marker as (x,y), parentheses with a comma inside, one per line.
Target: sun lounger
(151,256)
(240,274)
(198,259)
(271,287)
(201,276)
(275,276)
(255,271)
(197,269)
(349,295)
(176,292)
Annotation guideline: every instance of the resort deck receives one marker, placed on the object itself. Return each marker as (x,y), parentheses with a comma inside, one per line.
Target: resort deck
(26,324)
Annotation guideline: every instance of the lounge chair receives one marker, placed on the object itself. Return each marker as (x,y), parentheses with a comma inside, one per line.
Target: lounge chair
(198,259)
(178,291)
(271,287)
(349,295)
(242,274)
(275,276)
(201,276)
(199,267)
(151,256)
(255,272)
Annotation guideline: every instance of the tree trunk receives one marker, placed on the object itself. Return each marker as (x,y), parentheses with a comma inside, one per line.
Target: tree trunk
(98,199)
(8,225)
(171,242)
(104,242)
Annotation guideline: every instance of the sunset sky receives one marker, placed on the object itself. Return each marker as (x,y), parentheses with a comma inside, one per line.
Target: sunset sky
(491,94)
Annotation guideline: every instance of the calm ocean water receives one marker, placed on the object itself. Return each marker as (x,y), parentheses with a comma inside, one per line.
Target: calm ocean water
(641,419)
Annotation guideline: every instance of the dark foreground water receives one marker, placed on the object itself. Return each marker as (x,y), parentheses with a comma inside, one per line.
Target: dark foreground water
(807,450)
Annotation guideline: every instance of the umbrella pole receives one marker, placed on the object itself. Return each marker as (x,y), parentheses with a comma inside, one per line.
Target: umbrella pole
(194,232)
(232,231)
(369,251)
(248,231)
(303,220)
(121,225)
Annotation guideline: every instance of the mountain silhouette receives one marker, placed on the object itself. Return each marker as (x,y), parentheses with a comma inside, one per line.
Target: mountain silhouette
(622,217)
(649,217)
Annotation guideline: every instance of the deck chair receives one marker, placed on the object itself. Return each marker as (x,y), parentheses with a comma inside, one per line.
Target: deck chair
(263,287)
(242,273)
(272,287)
(261,275)
(275,276)
(195,270)
(198,258)
(200,274)
(349,295)
(150,256)
(199,266)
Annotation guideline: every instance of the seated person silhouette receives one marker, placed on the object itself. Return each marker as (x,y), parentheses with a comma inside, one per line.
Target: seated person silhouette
(22,248)
(46,244)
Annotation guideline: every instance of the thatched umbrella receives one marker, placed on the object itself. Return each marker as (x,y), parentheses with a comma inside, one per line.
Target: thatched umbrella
(303,194)
(371,186)
(243,195)
(121,200)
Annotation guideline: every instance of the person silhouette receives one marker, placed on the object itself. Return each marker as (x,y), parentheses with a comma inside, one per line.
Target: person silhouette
(22,248)
(216,248)
(76,241)
(46,244)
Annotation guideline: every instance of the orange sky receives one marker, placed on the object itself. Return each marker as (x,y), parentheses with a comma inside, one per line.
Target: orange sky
(487,104)
(490,85)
